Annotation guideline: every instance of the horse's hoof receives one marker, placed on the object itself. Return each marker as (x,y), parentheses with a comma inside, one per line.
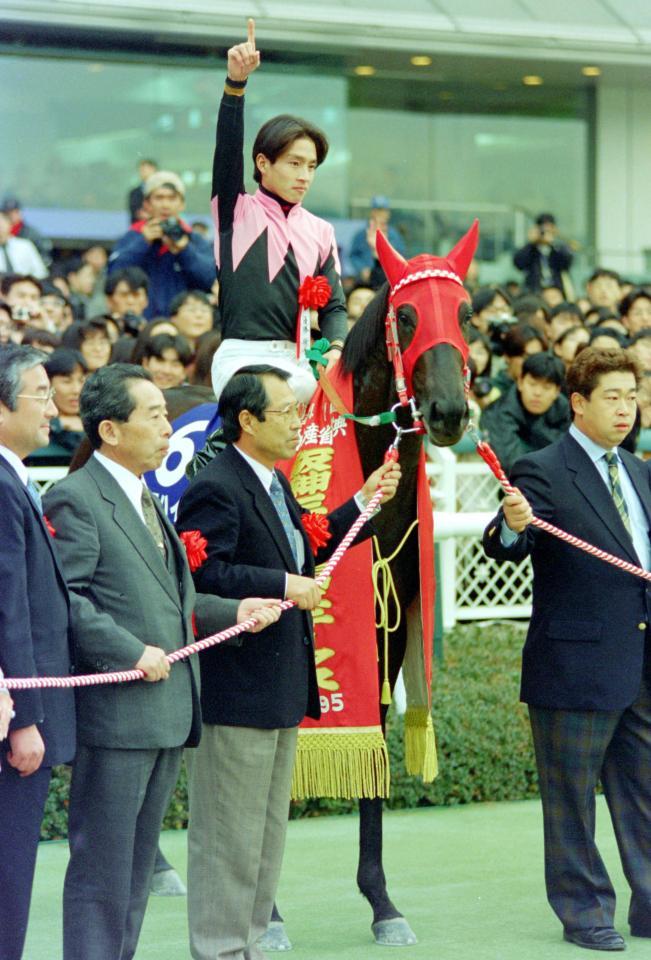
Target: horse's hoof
(275,939)
(393,933)
(167,883)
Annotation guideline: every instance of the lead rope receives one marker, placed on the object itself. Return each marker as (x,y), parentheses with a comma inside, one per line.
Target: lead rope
(489,456)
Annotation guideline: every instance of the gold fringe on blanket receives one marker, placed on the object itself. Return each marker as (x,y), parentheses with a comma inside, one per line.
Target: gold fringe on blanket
(420,744)
(344,763)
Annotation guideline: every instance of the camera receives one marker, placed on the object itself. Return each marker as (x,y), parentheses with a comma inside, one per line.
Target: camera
(172,229)
(21,314)
(481,387)
(132,323)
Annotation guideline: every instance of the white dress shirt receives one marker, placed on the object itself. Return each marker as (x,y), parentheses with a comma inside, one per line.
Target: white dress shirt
(639,521)
(14,461)
(128,482)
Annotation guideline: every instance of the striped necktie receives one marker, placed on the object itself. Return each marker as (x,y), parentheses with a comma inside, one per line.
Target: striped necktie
(152,521)
(277,495)
(616,489)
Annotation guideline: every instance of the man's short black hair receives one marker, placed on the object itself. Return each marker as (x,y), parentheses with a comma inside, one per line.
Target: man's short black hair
(637,293)
(277,134)
(134,277)
(245,391)
(181,298)
(156,347)
(604,272)
(572,308)
(63,361)
(106,396)
(545,218)
(544,366)
(514,341)
(11,279)
(484,296)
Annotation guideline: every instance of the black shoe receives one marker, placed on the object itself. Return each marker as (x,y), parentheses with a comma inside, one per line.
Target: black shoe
(595,938)
(640,930)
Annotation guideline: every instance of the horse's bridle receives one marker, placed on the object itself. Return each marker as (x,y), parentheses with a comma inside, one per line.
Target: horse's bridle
(394,350)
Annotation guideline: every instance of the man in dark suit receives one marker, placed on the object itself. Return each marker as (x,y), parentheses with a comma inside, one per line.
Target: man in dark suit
(133,598)
(586,667)
(34,641)
(253,696)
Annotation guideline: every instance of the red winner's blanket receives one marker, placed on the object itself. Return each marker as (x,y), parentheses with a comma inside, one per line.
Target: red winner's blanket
(344,754)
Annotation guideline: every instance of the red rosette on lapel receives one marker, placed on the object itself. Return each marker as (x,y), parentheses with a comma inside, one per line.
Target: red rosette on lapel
(50,528)
(317,528)
(195,548)
(314,293)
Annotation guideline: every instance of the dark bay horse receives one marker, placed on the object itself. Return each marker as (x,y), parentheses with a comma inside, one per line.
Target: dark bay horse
(432,311)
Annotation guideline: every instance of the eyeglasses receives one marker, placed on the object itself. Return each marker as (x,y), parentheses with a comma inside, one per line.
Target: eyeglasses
(290,411)
(43,398)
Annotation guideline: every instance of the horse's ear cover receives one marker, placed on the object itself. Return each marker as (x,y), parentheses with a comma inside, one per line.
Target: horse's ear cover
(460,257)
(393,264)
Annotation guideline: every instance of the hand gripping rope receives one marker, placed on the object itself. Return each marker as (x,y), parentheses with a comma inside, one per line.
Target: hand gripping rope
(489,456)
(124,676)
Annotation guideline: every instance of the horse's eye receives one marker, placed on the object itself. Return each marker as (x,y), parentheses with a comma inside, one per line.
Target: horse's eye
(465,312)
(405,318)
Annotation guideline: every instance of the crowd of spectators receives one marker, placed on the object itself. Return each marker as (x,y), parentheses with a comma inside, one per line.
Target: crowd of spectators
(153,300)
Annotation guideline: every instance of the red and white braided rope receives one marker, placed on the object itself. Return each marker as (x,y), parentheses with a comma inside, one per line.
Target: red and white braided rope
(486,452)
(124,676)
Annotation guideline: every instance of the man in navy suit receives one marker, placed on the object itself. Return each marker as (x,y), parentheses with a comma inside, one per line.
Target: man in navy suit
(586,665)
(34,627)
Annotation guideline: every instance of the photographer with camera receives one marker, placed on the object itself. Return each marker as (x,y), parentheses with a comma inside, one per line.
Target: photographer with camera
(174,258)
(544,260)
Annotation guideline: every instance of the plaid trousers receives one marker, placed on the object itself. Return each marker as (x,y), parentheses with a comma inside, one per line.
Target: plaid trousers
(574,749)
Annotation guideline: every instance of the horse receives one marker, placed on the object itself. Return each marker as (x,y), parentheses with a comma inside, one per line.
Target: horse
(426,305)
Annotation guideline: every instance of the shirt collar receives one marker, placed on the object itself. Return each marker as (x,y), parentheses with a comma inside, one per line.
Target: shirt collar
(16,463)
(127,481)
(594,450)
(264,474)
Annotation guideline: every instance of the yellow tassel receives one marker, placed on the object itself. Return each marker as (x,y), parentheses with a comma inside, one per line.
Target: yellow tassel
(386,692)
(347,764)
(420,744)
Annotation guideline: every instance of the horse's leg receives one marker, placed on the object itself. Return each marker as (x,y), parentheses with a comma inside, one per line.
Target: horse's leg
(389,926)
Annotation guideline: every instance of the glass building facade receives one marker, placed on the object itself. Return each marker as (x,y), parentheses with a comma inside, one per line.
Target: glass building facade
(74,126)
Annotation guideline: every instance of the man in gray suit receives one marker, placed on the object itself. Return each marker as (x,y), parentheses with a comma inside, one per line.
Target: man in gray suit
(133,596)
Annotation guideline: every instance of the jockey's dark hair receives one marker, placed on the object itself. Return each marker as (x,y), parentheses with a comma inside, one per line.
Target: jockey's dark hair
(277,134)
(367,334)
(590,365)
(245,391)
(106,396)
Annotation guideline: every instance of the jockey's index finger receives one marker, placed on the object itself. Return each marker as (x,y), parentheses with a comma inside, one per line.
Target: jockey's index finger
(250,26)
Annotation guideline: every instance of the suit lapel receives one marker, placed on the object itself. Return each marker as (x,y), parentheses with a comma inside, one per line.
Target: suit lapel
(38,518)
(127,519)
(263,506)
(597,496)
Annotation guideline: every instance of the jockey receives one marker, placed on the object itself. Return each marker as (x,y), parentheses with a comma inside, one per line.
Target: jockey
(266,244)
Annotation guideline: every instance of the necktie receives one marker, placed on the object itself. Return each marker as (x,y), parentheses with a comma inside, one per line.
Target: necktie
(152,522)
(616,489)
(33,491)
(278,499)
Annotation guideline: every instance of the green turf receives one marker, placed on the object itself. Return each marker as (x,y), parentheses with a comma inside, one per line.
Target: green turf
(469,879)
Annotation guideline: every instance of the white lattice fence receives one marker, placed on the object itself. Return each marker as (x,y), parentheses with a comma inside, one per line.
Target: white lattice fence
(46,477)
(471,586)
